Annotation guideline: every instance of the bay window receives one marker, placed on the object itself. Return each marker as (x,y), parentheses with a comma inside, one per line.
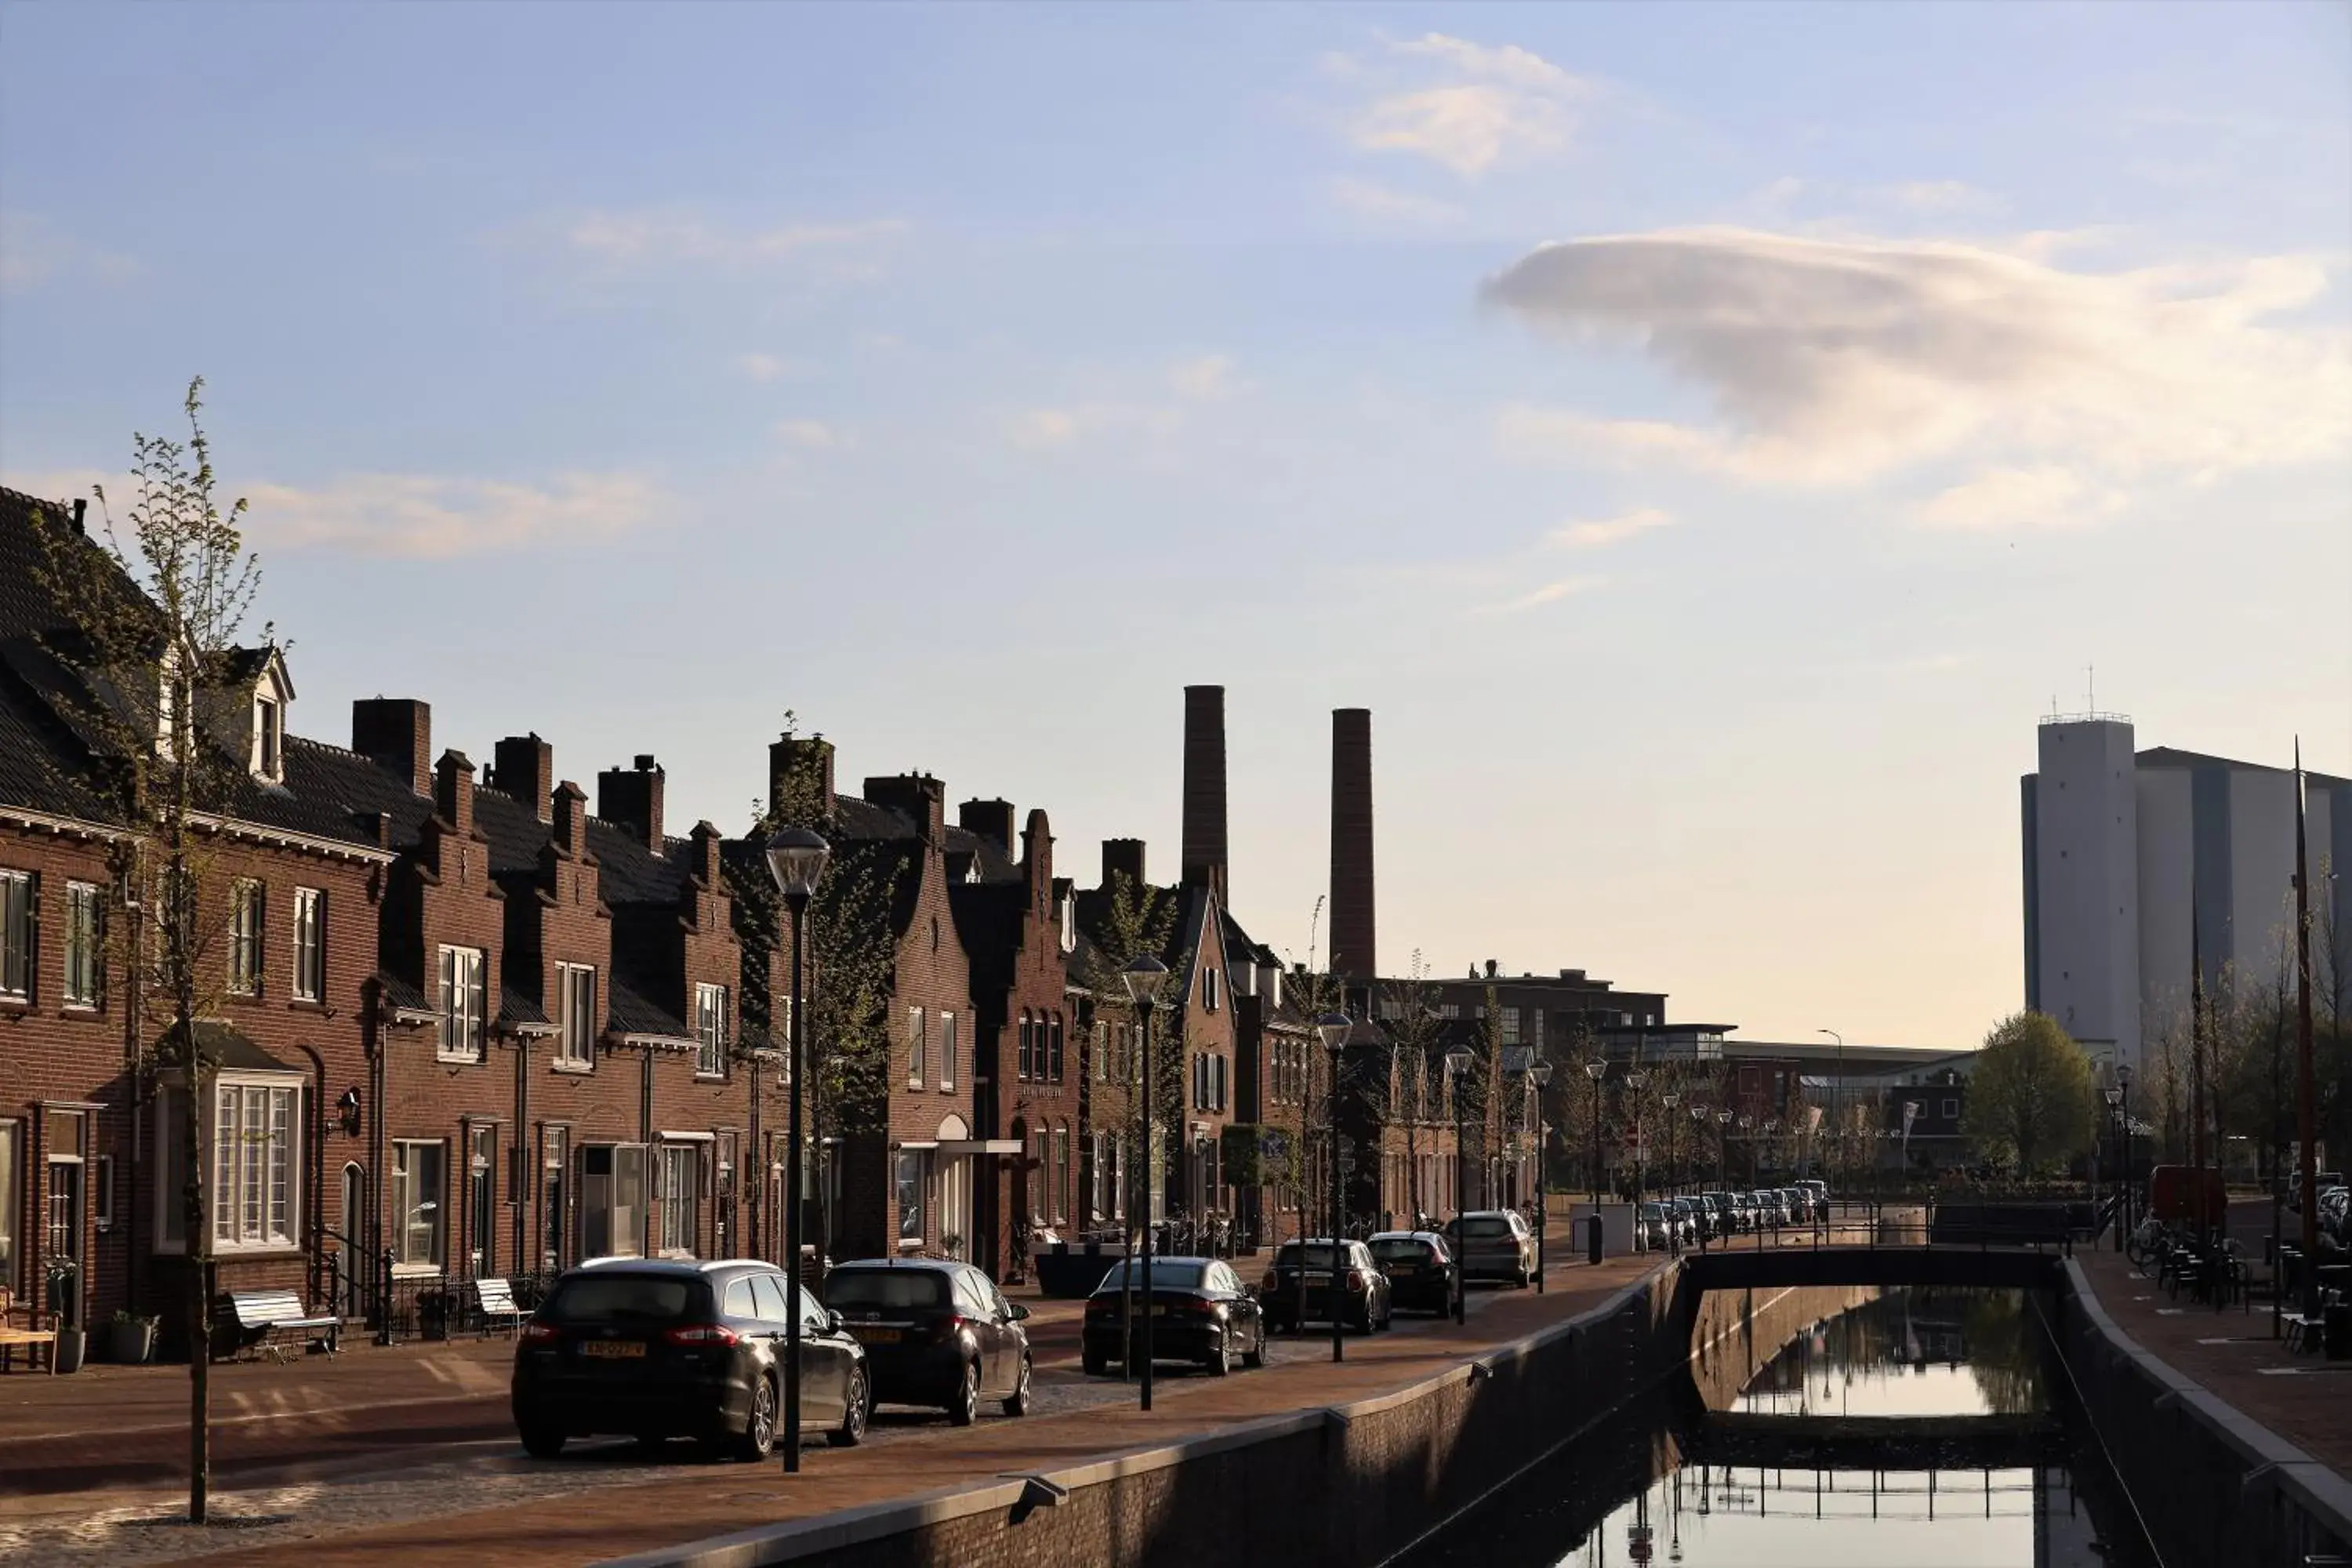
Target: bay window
(252,1145)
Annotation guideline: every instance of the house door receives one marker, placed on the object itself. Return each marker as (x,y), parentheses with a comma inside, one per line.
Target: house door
(955,1205)
(352,1270)
(64,1230)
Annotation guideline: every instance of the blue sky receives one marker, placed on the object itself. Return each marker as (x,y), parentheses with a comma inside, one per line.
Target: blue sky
(1707,437)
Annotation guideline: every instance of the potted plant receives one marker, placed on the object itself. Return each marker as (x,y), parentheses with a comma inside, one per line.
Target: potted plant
(130,1338)
(65,1301)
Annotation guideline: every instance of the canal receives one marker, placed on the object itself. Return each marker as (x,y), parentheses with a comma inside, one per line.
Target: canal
(1921,1429)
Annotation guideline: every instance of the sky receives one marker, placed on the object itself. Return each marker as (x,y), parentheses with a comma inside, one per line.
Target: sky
(1709,438)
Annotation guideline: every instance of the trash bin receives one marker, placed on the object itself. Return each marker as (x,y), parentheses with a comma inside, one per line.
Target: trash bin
(1592,1241)
(2339,1336)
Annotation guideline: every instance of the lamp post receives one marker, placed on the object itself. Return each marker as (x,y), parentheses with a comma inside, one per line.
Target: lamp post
(1747,1131)
(2115,1099)
(1334,1028)
(1669,1100)
(1634,1081)
(1837,1086)
(1596,1070)
(796,858)
(1539,1074)
(1723,1146)
(1144,975)
(2123,1105)
(1457,1067)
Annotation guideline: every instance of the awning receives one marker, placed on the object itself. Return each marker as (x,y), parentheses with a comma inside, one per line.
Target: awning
(981,1146)
(227,1049)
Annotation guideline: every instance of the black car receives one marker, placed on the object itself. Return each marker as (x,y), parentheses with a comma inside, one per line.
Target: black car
(654,1349)
(1298,1287)
(1200,1312)
(935,1333)
(1420,1268)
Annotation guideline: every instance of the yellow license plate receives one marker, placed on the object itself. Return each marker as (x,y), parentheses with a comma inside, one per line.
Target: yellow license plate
(613,1349)
(877,1336)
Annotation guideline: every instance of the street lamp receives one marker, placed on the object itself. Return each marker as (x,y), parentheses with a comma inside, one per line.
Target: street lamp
(1669,1100)
(1334,1027)
(1837,1088)
(1144,975)
(2115,1099)
(1457,1067)
(796,858)
(1723,1146)
(1540,1073)
(1596,1070)
(2123,1086)
(1633,1081)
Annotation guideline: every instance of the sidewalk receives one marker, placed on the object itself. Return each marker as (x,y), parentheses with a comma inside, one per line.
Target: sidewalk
(691,1503)
(2303,1399)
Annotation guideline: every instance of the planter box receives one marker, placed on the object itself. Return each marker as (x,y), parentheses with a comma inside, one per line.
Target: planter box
(129,1345)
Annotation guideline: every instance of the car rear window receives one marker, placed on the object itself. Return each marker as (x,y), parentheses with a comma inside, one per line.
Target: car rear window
(1488,1228)
(606,1298)
(1400,1250)
(890,1289)
(1314,1256)
(1174,1276)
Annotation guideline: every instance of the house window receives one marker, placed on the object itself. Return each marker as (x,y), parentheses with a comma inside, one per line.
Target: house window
(310,943)
(947,1050)
(1044,1207)
(681,1199)
(911,1197)
(1061,1185)
(245,939)
(1209,989)
(255,1156)
(612,1200)
(1509,1019)
(268,738)
(1056,1063)
(1951,1111)
(575,1014)
(481,1199)
(711,1030)
(1023,1059)
(17,907)
(554,1159)
(1102,1051)
(916,1042)
(461,1001)
(85,945)
(419,1171)
(8,1206)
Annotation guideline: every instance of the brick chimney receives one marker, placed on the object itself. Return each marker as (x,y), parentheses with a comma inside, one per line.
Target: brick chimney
(990,819)
(453,793)
(522,768)
(1204,853)
(1352,955)
(1123,858)
(919,798)
(395,733)
(569,812)
(632,798)
(800,771)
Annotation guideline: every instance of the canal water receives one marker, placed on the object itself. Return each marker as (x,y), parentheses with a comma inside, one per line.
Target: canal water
(1920,1430)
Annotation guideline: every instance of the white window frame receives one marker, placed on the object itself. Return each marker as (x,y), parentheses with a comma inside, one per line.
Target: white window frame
(680,1176)
(310,945)
(85,955)
(268,739)
(401,1184)
(20,924)
(1509,1025)
(462,977)
(253,1182)
(710,1031)
(575,1017)
(249,915)
(917,1046)
(947,1050)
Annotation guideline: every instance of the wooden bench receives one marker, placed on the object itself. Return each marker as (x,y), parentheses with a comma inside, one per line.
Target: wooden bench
(11,1336)
(494,1298)
(268,1317)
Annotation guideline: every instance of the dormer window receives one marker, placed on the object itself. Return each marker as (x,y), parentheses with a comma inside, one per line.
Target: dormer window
(1069,915)
(268,739)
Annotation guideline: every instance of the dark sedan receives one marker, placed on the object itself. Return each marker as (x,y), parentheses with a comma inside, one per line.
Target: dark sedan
(1200,1312)
(1298,1289)
(1420,1268)
(935,1333)
(654,1349)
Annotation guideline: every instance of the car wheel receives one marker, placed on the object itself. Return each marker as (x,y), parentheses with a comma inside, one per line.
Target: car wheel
(852,1430)
(965,1409)
(1017,1402)
(759,1439)
(1255,1357)
(542,1442)
(1220,1359)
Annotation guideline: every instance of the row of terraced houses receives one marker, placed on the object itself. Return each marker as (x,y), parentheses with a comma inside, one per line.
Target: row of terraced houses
(476,1023)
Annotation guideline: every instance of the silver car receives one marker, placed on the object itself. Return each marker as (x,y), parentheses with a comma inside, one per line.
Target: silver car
(1495,1244)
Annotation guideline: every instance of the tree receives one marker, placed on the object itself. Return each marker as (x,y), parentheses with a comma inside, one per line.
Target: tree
(1414,1032)
(2031,1103)
(152,618)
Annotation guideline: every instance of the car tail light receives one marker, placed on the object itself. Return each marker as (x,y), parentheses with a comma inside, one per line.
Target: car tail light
(1273,1282)
(1356,1283)
(703,1334)
(540,1334)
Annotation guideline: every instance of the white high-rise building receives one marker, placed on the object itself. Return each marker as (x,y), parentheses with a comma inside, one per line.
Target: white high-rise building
(2135,861)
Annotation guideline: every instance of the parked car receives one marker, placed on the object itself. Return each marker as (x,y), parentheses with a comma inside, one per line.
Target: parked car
(653,1349)
(935,1333)
(1686,1214)
(1743,1211)
(1495,1244)
(1200,1312)
(1769,1214)
(1420,1268)
(2327,1179)
(1302,1274)
(1722,1219)
(1818,1195)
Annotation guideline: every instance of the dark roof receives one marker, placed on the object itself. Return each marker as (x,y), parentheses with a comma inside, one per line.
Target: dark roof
(517,1010)
(405,994)
(628,872)
(633,1014)
(227,1048)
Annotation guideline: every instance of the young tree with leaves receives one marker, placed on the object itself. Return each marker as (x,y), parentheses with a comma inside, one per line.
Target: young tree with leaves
(2031,1101)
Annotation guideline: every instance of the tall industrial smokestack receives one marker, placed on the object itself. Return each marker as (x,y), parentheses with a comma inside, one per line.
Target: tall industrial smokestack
(1352,953)
(1204,858)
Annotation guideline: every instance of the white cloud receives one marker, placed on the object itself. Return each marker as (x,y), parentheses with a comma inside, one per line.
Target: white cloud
(1463,105)
(1386,204)
(677,236)
(1842,360)
(35,248)
(1605,532)
(1200,379)
(812,435)
(1037,429)
(1551,593)
(766,367)
(2044,497)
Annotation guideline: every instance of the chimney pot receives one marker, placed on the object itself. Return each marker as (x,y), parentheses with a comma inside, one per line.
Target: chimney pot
(632,797)
(453,792)
(522,768)
(989,819)
(645,761)
(919,798)
(396,735)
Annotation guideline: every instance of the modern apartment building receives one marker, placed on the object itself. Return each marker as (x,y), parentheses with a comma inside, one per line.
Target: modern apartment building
(2144,866)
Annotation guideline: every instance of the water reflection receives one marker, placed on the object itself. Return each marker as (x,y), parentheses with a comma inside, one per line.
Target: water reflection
(1918,1429)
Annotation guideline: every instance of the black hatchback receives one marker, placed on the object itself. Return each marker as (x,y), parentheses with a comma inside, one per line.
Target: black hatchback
(654,1349)
(935,1333)
(1420,1268)
(1200,1312)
